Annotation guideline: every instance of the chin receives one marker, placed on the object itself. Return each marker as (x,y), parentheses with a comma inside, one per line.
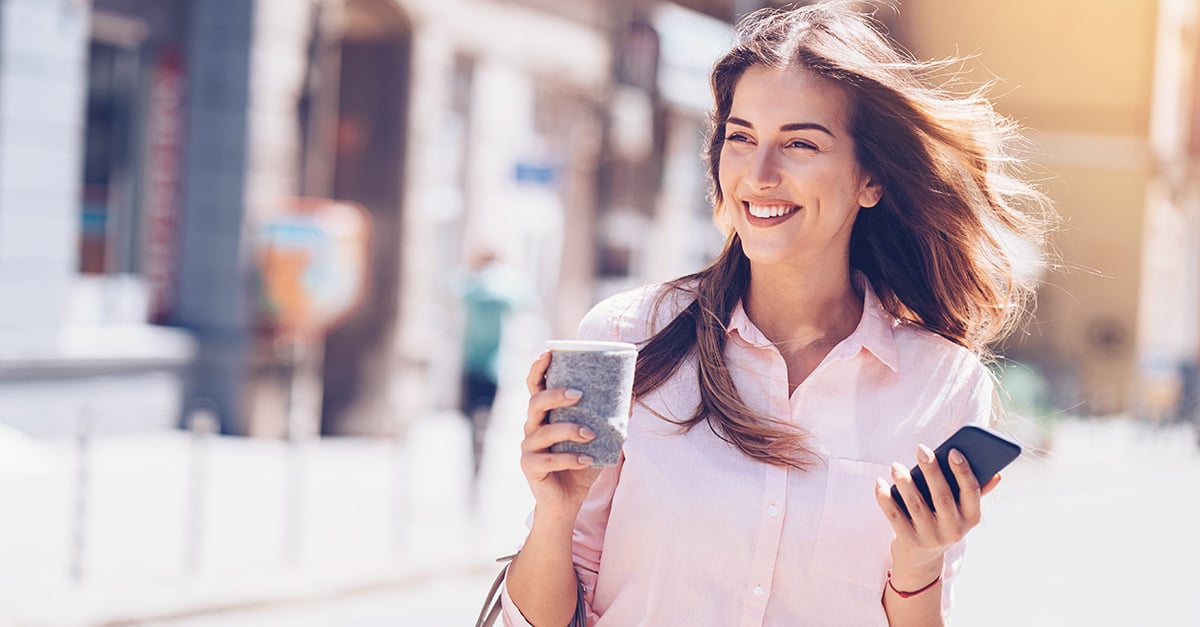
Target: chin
(761,253)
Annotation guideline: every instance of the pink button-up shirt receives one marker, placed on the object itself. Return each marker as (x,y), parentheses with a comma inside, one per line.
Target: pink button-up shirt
(688,530)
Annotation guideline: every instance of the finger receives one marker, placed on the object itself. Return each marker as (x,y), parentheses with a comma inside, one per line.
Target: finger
(968,487)
(990,485)
(538,465)
(883,496)
(535,381)
(548,435)
(544,401)
(939,489)
(918,509)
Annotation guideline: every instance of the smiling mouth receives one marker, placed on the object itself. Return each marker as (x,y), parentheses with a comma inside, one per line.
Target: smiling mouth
(769,211)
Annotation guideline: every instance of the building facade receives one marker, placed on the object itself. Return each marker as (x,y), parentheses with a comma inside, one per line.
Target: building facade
(73,338)
(146,142)
(1115,316)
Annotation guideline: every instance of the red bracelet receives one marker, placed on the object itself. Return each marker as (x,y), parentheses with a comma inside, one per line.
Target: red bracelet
(905,595)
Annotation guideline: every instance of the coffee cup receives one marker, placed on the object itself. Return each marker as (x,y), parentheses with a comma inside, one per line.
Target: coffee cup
(603,371)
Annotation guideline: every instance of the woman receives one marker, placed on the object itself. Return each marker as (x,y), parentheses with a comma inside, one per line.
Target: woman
(838,335)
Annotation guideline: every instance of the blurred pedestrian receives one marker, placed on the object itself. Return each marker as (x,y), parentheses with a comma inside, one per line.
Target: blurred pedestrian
(839,333)
(489,294)
(1188,408)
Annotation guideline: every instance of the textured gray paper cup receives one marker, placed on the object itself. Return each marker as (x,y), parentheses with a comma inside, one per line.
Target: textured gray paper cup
(603,371)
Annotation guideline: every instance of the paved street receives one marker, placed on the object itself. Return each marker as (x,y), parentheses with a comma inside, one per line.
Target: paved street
(1105,531)
(1102,530)
(440,602)
(371,515)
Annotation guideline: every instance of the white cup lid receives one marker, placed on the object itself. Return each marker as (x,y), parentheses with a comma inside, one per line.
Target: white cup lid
(588,346)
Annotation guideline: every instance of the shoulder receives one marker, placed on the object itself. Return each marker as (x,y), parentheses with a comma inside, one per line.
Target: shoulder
(635,315)
(933,358)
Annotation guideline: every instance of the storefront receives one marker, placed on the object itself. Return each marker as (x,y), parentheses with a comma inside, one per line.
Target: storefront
(164,132)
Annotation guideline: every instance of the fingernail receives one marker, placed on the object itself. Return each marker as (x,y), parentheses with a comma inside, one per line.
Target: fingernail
(881,484)
(924,454)
(584,459)
(573,394)
(898,470)
(956,457)
(587,433)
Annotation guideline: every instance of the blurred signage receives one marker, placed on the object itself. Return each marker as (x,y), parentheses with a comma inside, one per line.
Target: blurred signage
(532,172)
(313,266)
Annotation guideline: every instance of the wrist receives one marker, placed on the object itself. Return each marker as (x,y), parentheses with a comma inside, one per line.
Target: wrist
(909,576)
(553,521)
(907,592)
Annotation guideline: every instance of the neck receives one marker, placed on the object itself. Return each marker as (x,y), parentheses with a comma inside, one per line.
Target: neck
(797,307)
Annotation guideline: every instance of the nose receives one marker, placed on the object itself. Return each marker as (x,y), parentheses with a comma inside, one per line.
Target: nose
(764,168)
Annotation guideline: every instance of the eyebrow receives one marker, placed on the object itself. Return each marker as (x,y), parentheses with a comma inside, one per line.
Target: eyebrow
(794,126)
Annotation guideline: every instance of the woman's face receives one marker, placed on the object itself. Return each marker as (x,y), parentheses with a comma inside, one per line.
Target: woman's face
(790,183)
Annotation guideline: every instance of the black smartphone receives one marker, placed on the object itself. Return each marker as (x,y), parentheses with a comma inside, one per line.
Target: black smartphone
(986,452)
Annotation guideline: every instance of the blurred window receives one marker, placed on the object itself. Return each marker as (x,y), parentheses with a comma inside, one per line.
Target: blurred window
(109,207)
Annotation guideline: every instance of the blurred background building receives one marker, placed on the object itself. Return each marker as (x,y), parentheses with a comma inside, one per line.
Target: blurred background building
(1108,93)
(144,143)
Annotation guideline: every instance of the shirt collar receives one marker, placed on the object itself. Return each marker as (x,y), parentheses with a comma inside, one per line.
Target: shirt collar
(873,333)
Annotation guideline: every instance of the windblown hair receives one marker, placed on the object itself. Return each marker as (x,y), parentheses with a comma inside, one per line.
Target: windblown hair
(937,248)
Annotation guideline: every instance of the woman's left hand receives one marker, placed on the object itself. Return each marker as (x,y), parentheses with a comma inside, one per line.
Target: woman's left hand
(921,541)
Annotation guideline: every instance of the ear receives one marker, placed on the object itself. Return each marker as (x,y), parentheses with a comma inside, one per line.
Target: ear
(870,192)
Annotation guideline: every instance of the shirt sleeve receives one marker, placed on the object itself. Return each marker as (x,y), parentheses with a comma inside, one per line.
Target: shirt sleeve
(588,539)
(975,409)
(603,322)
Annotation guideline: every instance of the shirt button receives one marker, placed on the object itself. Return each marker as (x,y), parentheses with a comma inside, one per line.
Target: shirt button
(773,510)
(758,591)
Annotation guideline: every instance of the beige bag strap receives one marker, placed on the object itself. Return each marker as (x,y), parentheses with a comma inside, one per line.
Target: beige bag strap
(491,605)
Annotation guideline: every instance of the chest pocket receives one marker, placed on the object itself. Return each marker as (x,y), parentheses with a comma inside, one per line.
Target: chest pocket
(853,537)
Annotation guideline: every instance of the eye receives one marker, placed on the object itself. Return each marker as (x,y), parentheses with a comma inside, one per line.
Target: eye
(802,144)
(737,137)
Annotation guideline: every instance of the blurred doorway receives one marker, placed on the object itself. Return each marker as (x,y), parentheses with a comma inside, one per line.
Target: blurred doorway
(369,164)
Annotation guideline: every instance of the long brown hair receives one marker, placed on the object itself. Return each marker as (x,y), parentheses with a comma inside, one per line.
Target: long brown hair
(934,248)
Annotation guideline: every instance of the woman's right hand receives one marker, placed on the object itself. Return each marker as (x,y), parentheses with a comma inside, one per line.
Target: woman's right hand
(559,481)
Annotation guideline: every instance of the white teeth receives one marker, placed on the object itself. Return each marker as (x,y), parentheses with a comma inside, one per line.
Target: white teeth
(770,211)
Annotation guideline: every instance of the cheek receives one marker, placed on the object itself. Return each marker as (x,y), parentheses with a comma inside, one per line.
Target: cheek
(722,220)
(723,211)
(723,214)
(725,179)
(732,166)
